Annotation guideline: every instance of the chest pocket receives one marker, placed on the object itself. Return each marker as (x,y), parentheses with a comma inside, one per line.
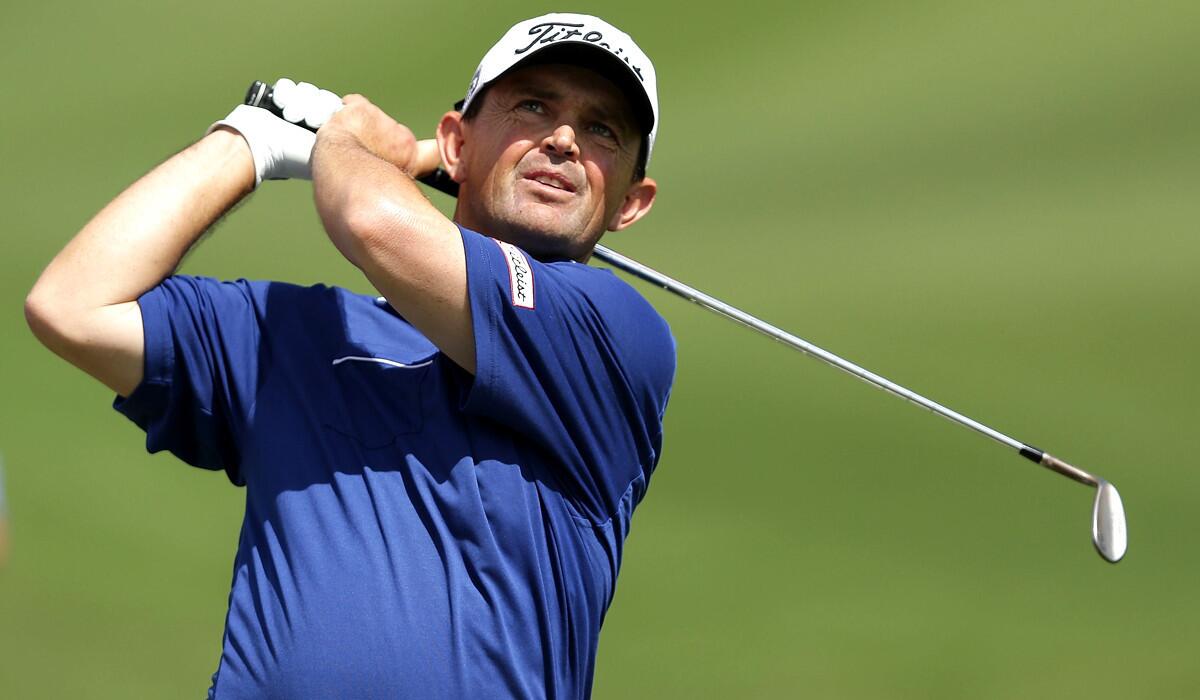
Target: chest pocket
(379,393)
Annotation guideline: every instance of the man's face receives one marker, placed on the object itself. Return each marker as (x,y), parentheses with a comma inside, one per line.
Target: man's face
(549,159)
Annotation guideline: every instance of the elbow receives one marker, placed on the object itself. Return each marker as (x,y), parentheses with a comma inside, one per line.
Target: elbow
(39,314)
(348,219)
(363,220)
(50,318)
(369,224)
(374,223)
(375,211)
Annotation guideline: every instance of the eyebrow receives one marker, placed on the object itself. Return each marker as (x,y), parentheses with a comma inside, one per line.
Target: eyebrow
(538,91)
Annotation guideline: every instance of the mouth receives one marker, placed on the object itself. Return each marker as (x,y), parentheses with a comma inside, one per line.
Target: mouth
(550,179)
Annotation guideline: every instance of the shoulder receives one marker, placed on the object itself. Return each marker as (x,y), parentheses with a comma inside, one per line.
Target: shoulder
(633,326)
(280,305)
(567,300)
(612,296)
(258,292)
(287,295)
(300,322)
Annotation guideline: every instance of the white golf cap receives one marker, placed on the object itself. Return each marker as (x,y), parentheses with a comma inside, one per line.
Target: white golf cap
(579,40)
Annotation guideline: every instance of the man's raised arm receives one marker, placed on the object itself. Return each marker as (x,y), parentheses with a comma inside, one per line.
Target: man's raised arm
(84,305)
(373,211)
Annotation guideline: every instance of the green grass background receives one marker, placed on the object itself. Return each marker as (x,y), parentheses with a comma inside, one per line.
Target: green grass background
(996,204)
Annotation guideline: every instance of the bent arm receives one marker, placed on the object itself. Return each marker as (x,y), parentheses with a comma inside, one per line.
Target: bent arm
(84,305)
(377,217)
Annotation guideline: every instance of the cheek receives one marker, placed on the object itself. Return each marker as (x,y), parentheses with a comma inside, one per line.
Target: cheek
(505,160)
(485,168)
(607,181)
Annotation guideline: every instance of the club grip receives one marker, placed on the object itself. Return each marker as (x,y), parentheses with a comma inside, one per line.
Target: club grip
(260,95)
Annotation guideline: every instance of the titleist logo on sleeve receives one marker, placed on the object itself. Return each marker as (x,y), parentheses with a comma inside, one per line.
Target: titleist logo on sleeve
(550,32)
(520,275)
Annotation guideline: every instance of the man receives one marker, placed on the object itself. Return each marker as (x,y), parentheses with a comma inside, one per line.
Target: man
(439,480)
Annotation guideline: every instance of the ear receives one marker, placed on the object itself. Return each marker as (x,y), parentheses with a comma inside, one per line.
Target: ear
(636,204)
(451,138)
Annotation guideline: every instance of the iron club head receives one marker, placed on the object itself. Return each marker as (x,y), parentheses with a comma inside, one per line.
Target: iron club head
(1108,523)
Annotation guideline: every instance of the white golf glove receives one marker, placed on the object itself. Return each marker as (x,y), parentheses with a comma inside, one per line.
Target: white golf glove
(280,148)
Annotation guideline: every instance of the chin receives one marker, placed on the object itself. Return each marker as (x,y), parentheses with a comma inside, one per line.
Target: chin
(546,234)
(543,243)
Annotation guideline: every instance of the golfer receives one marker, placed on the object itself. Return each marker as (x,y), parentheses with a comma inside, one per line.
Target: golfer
(439,479)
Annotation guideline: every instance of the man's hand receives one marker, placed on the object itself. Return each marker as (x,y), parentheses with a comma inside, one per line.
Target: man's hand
(281,148)
(372,128)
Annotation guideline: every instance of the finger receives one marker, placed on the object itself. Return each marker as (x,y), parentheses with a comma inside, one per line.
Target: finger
(300,102)
(427,158)
(283,91)
(325,104)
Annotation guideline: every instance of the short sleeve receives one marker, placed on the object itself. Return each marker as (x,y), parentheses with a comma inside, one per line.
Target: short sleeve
(574,359)
(201,364)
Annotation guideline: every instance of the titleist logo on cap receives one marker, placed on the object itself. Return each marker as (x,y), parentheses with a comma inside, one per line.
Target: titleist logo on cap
(550,32)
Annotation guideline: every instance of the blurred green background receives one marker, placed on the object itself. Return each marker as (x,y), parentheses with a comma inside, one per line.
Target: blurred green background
(995,204)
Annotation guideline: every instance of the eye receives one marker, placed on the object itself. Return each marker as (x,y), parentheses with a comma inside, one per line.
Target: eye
(534,106)
(603,130)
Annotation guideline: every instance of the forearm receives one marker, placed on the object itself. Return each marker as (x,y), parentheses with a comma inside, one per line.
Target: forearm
(139,238)
(363,199)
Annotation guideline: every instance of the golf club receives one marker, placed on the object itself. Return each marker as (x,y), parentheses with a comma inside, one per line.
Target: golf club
(1108,514)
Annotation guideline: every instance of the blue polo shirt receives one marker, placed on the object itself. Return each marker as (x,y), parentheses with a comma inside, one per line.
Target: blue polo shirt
(412,530)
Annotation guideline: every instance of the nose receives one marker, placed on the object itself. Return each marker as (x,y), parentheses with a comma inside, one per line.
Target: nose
(562,142)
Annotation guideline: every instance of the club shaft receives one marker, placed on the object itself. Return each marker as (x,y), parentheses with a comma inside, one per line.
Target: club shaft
(694,295)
